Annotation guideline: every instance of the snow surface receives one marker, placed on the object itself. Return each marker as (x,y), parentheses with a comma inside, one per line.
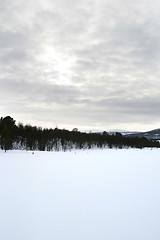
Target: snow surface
(80,195)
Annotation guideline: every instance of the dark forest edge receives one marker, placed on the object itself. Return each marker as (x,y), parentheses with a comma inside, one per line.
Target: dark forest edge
(34,138)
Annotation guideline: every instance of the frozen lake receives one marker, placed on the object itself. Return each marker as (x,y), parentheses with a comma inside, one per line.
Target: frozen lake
(80,195)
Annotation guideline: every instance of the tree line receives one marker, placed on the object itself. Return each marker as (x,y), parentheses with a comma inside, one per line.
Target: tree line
(33,138)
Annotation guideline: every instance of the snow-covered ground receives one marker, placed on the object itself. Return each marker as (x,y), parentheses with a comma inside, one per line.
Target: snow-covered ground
(80,195)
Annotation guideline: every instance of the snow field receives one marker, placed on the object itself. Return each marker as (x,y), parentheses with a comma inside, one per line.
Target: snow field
(80,195)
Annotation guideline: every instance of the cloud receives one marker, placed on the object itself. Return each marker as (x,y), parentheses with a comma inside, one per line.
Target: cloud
(87,64)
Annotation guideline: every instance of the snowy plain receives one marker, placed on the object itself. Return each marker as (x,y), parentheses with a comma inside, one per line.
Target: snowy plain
(80,195)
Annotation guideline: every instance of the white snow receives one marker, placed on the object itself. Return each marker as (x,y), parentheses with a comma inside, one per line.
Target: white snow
(80,195)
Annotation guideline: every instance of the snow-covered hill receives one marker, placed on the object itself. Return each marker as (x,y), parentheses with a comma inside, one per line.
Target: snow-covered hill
(153,134)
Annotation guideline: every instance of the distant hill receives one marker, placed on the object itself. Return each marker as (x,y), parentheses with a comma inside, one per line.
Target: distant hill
(153,134)
(123,132)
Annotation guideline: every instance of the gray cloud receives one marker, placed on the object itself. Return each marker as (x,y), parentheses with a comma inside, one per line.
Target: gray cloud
(87,64)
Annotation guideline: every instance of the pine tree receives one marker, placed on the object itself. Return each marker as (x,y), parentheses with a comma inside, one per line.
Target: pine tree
(6,142)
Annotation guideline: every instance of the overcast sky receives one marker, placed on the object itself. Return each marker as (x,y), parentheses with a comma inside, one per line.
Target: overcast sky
(90,64)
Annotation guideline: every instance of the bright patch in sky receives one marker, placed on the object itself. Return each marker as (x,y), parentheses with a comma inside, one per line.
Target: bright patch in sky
(55,62)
